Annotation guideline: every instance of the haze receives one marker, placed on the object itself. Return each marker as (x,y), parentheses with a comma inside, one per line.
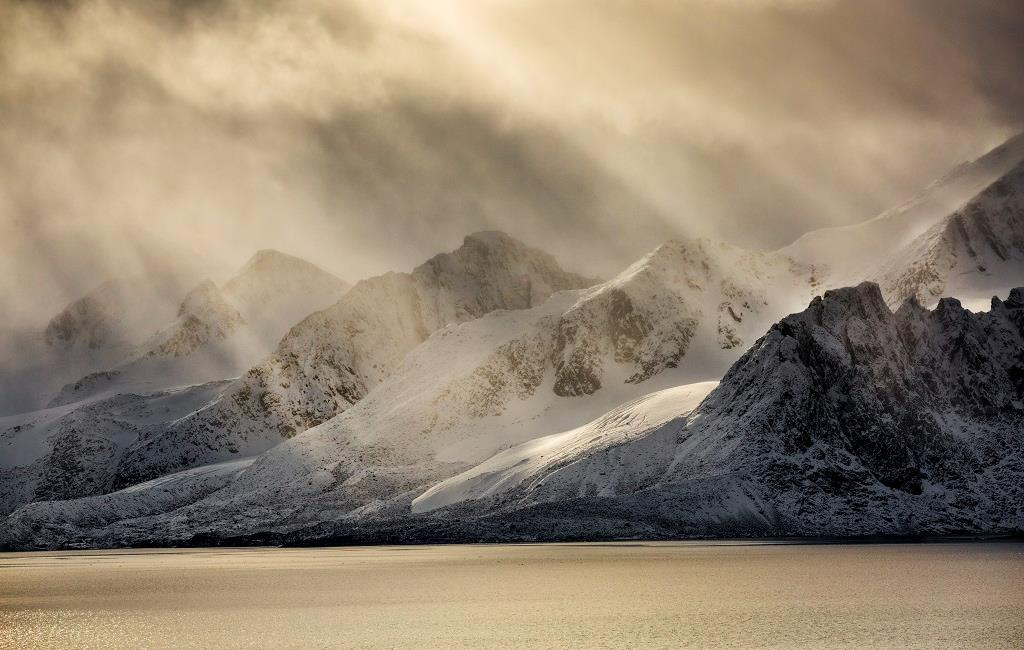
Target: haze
(367,136)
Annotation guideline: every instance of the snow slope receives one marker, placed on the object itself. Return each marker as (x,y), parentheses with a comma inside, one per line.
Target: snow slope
(619,426)
(73,450)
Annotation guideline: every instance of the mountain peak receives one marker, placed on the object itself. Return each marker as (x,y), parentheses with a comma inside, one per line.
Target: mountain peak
(271,276)
(490,238)
(201,298)
(865,293)
(271,260)
(1016,296)
(488,255)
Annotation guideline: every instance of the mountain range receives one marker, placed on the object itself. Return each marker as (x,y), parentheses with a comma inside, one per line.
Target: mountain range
(823,389)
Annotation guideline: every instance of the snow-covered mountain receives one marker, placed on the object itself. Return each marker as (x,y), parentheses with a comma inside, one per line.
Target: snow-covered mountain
(218,332)
(93,333)
(117,314)
(847,255)
(976,252)
(71,451)
(332,358)
(679,314)
(845,419)
(75,445)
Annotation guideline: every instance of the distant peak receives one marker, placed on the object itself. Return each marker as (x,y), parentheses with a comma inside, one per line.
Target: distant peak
(269,256)
(200,298)
(267,263)
(487,242)
(490,238)
(491,252)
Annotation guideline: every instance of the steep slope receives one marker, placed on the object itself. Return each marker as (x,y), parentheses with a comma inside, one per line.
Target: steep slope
(218,333)
(330,360)
(974,253)
(476,388)
(619,426)
(848,255)
(845,419)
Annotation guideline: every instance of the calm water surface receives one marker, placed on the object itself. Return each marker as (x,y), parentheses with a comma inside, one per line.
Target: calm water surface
(551,595)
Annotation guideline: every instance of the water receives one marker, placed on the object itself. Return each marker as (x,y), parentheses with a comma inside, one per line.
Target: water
(550,595)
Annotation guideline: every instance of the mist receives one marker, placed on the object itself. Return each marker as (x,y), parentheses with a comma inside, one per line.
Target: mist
(367,136)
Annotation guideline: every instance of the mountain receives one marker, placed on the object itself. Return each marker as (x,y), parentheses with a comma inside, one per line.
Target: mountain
(848,255)
(204,316)
(218,332)
(274,291)
(329,360)
(845,419)
(475,388)
(117,314)
(75,446)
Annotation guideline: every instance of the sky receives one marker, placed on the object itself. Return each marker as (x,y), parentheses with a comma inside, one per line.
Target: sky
(138,136)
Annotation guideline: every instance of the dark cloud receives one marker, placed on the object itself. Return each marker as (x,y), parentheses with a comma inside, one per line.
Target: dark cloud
(367,136)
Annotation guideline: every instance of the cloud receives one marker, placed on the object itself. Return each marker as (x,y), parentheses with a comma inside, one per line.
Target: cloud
(367,136)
